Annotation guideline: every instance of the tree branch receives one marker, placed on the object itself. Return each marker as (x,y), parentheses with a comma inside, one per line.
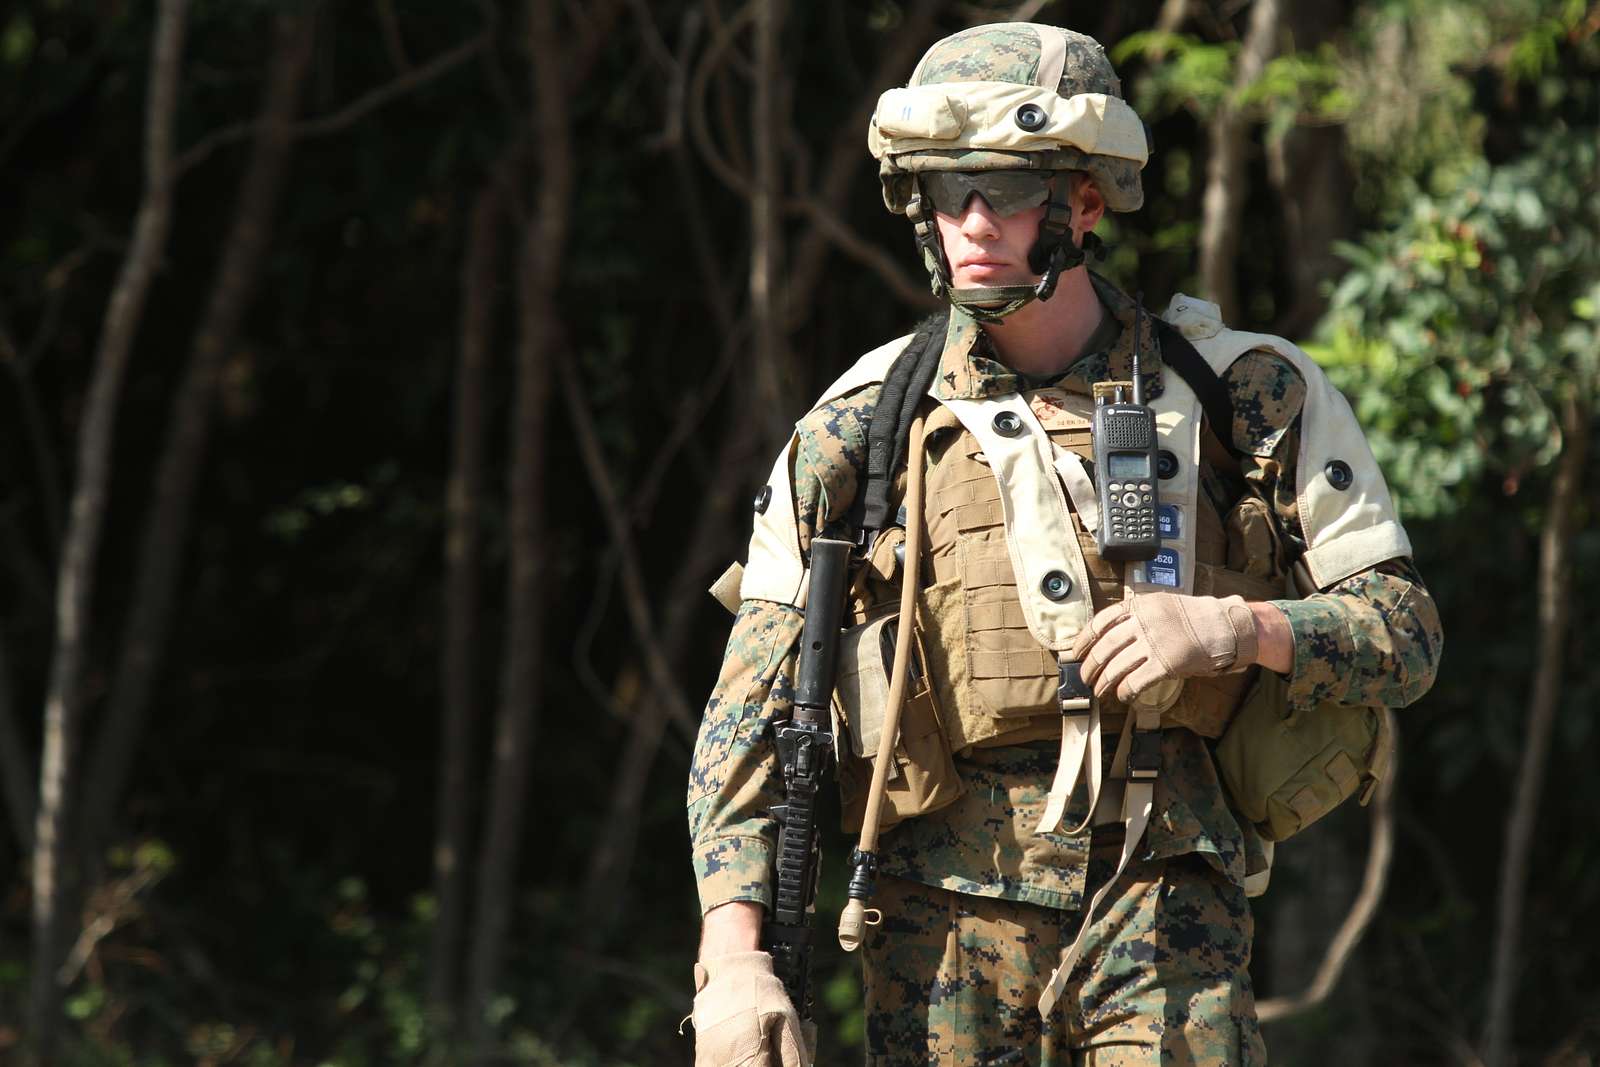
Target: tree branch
(699,127)
(165,529)
(594,35)
(461,714)
(392,40)
(635,593)
(46,463)
(718,289)
(1555,611)
(118,907)
(769,365)
(650,37)
(676,68)
(543,246)
(583,642)
(345,117)
(844,165)
(610,866)
(740,63)
(1362,910)
(692,410)
(1174,13)
(901,283)
(75,584)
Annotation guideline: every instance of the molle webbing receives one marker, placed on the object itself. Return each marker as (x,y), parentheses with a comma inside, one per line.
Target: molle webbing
(903,387)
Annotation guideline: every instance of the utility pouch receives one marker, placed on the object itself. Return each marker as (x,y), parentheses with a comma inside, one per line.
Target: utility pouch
(923,777)
(1286,769)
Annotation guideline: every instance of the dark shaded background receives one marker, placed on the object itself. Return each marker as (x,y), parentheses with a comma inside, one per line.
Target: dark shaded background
(266,886)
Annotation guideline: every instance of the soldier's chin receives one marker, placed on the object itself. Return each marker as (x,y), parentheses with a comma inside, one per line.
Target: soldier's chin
(979,278)
(997,302)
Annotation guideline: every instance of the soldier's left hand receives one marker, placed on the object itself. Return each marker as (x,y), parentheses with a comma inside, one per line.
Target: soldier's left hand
(1150,638)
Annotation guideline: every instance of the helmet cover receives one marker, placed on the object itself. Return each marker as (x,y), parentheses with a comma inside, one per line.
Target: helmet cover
(1011,96)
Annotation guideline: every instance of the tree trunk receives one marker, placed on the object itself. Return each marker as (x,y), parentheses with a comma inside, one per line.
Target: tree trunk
(1555,611)
(1314,186)
(166,522)
(1308,170)
(464,499)
(1228,135)
(543,241)
(767,121)
(86,523)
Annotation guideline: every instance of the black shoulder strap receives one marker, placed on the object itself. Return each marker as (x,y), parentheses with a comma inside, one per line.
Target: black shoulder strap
(903,387)
(1191,366)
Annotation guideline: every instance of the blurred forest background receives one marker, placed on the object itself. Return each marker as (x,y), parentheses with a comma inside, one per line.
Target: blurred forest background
(382,383)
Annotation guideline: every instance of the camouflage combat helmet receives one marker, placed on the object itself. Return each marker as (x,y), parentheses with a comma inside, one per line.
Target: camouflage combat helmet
(1014,96)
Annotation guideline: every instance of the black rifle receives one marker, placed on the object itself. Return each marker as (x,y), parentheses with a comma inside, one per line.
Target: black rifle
(805,748)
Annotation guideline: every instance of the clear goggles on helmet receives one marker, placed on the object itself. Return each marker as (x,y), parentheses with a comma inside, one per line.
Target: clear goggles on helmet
(1006,191)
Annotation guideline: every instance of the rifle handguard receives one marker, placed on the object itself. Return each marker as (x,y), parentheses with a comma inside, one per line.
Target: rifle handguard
(805,749)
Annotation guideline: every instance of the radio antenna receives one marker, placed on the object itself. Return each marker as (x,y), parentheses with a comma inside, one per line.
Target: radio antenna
(1138,336)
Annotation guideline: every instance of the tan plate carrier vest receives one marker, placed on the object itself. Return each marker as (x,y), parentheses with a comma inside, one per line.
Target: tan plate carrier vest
(1007,510)
(1004,512)
(994,680)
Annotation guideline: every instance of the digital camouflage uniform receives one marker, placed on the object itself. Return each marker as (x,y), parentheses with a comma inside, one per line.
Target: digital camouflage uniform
(977,906)
(1371,640)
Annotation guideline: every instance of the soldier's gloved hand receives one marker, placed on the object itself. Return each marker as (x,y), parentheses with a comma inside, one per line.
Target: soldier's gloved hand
(742,1015)
(1151,638)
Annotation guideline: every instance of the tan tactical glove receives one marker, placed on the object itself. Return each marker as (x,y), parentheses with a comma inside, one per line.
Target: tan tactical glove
(1152,638)
(742,1016)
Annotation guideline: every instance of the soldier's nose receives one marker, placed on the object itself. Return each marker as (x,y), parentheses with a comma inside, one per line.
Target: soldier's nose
(978,218)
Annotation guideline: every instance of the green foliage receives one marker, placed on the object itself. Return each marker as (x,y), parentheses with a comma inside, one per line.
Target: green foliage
(1459,330)
(1535,51)
(1401,82)
(1299,87)
(1184,72)
(1411,117)
(1407,77)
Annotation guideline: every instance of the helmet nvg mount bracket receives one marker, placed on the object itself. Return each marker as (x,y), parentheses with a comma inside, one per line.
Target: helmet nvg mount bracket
(1009,97)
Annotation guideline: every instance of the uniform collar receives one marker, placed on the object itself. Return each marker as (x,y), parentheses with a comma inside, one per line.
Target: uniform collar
(969,370)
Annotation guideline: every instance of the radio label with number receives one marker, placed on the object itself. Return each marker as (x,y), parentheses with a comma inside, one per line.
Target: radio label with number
(1165,568)
(1169,521)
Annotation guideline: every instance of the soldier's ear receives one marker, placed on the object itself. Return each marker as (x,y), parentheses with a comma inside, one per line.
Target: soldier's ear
(1088,206)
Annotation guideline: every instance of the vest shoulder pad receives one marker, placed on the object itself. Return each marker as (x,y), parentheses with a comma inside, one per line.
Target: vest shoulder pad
(776,569)
(1346,512)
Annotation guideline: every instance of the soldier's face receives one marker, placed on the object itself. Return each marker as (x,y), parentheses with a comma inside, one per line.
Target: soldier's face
(986,248)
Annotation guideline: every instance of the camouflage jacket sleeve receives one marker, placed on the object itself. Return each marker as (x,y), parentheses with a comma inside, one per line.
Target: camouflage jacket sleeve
(1372,639)
(734,777)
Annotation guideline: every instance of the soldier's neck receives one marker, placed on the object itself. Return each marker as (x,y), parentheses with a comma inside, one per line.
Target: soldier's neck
(1045,337)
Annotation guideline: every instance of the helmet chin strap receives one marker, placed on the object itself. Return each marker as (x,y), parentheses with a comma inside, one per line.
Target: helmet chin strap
(1052,255)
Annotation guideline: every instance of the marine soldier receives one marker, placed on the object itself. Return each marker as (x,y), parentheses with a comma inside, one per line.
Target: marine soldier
(1062,877)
